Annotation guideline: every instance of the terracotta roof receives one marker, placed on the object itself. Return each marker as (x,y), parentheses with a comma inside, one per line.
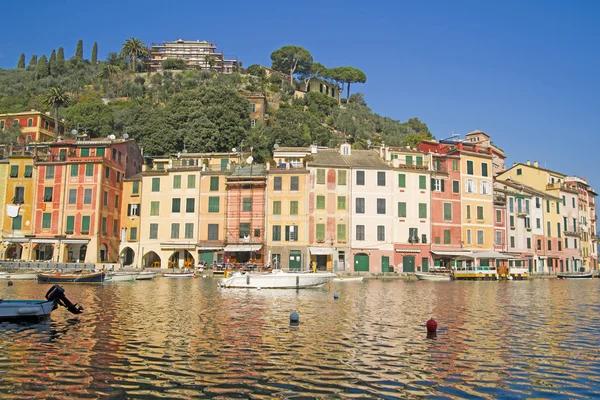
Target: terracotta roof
(518,185)
(533,166)
(356,159)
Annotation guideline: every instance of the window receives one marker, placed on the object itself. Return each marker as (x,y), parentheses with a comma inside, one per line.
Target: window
(512,241)
(527,206)
(538,223)
(320,202)
(380,233)
(190,205)
(470,186)
(214,183)
(360,205)
(419,161)
(85,224)
(547,206)
(17,222)
(84,152)
(294,183)
(437,185)
(549,229)
(564,200)
(413,235)
(29,122)
(189,231)
(104,225)
(559,234)
(277,183)
(133,210)
(1,125)
(291,233)
(401,209)
(72,196)
(132,234)
(46,220)
(105,199)
(156,184)
(341,177)
(519,171)
(539,244)
(115,227)
(447,236)
(469,241)
(19,195)
(213,204)
(529,243)
(469,167)
(409,160)
(468,211)
(176,181)
(549,245)
(455,187)
(557,207)
(401,180)
(485,187)
(455,165)
(422,210)
(135,187)
(484,169)
(341,202)
(341,232)
(50,171)
(320,176)
(244,230)
(191,181)
(527,223)
(422,182)
(498,241)
(252,122)
(153,231)
(572,198)
(277,208)
(87,196)
(360,232)
(293,208)
(276,232)
(559,245)
(154,208)
(360,178)
(480,212)
(48,194)
(247,204)
(566,243)
(14,171)
(213,231)
(512,221)
(89,169)
(479,237)
(320,232)
(447,211)
(565,223)
(499,216)
(380,178)
(381,206)
(100,151)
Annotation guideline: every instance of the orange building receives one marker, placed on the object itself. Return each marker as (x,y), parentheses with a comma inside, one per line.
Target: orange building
(36,126)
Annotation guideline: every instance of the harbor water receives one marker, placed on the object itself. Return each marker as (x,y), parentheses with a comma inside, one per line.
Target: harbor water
(187,338)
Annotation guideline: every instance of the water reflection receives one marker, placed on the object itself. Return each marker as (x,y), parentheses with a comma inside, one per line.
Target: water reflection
(190,339)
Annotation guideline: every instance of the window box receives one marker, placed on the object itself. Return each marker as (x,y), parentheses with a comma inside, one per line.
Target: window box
(512,227)
(528,229)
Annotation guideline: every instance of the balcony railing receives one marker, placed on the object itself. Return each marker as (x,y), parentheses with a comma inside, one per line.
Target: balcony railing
(18,200)
(561,186)
(571,233)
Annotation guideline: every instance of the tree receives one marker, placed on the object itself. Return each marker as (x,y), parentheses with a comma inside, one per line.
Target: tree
(96,116)
(291,60)
(11,135)
(353,75)
(419,127)
(174,63)
(21,63)
(79,51)
(60,60)
(56,98)
(256,70)
(33,62)
(95,53)
(317,70)
(52,64)
(133,48)
(42,70)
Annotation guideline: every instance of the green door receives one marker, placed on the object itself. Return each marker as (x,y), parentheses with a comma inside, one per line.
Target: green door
(295,260)
(385,264)
(361,262)
(208,257)
(425,264)
(408,263)
(224,164)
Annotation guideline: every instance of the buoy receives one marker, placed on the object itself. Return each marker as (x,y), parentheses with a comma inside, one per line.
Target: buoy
(258,288)
(195,277)
(431,325)
(10,283)
(294,318)
(335,296)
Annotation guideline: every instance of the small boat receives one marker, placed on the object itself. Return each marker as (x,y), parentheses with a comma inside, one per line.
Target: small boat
(145,276)
(28,310)
(183,274)
(348,279)
(121,276)
(433,276)
(75,277)
(585,275)
(276,279)
(16,276)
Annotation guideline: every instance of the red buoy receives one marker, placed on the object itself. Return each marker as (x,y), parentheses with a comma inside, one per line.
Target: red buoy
(431,325)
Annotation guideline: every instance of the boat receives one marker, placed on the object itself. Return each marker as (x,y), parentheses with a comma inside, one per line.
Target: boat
(16,276)
(433,276)
(121,276)
(145,276)
(183,274)
(75,277)
(348,279)
(476,273)
(28,310)
(585,275)
(276,279)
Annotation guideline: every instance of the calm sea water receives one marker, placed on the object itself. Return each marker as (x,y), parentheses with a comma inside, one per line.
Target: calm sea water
(187,338)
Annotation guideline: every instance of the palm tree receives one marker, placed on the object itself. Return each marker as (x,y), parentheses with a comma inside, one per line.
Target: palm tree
(133,48)
(56,98)
(210,61)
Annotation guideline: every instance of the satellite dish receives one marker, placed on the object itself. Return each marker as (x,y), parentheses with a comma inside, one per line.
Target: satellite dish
(74,132)
(112,137)
(184,151)
(125,136)
(276,146)
(233,150)
(369,142)
(249,160)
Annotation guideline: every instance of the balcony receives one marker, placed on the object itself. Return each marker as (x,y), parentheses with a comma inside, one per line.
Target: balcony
(500,199)
(594,237)
(423,166)
(288,166)
(561,186)
(18,200)
(571,233)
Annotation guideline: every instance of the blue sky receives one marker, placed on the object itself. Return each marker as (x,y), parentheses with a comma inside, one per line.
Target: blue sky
(526,72)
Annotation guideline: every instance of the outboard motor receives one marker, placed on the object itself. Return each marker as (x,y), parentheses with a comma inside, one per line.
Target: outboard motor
(57,293)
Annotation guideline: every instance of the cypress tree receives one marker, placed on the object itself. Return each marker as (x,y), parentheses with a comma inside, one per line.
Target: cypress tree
(33,61)
(21,63)
(79,51)
(42,70)
(60,60)
(95,53)
(52,64)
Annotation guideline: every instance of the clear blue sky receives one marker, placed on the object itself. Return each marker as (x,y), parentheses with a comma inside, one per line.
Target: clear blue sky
(525,72)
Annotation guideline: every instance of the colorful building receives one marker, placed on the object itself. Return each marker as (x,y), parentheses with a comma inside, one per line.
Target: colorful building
(129,248)
(35,126)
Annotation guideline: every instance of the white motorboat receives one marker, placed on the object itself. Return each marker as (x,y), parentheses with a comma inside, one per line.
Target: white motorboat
(16,276)
(26,310)
(348,279)
(179,274)
(121,277)
(433,276)
(146,276)
(277,279)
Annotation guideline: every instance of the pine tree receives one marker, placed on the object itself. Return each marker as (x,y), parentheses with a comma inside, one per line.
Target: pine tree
(60,60)
(33,61)
(79,51)
(42,70)
(52,64)
(95,53)
(21,63)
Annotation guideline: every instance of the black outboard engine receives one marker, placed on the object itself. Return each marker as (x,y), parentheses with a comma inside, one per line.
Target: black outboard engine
(57,293)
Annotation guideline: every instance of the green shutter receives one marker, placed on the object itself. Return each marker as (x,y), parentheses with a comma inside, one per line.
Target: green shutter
(190,205)
(100,151)
(85,224)
(320,202)
(70,224)
(293,208)
(17,222)
(320,176)
(419,161)
(85,152)
(276,207)
(409,160)
(422,210)
(446,236)
(447,211)
(247,204)
(401,180)
(74,170)
(484,169)
(402,209)
(341,202)
(320,231)
(341,177)
(213,204)
(176,205)
(89,170)
(191,181)
(154,208)
(214,183)
(341,232)
(135,187)
(46,220)
(156,184)
(176,181)
(422,182)
(470,167)
(132,233)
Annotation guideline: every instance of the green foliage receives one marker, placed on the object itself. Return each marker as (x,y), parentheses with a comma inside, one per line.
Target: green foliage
(257,71)
(95,116)
(60,61)
(52,64)
(11,135)
(42,70)
(174,63)
(419,127)
(134,49)
(347,76)
(79,51)
(291,60)
(95,53)
(33,62)
(21,63)
(56,98)
(320,104)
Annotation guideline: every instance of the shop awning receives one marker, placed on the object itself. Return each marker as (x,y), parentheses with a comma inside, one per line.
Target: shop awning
(232,248)
(177,246)
(75,241)
(46,241)
(16,240)
(209,248)
(441,253)
(494,255)
(408,250)
(321,251)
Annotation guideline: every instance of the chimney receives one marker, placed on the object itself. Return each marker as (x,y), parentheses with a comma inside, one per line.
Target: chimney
(528,162)
(514,164)
(536,164)
(313,149)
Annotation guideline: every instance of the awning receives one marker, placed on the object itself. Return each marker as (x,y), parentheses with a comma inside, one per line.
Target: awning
(75,241)
(321,251)
(209,248)
(465,254)
(493,254)
(240,247)
(47,241)
(408,250)
(176,246)
(16,240)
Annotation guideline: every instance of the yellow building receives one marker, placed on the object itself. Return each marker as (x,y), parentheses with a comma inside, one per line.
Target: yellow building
(130,222)
(3,180)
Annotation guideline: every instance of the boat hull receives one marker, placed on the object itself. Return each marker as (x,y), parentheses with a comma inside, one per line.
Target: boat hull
(178,275)
(422,276)
(95,277)
(18,276)
(145,276)
(277,280)
(577,276)
(122,277)
(25,310)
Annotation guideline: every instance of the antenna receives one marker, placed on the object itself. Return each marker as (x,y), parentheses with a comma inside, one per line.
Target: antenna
(249,160)
(125,136)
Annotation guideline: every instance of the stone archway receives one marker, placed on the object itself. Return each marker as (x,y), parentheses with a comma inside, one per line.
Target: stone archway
(151,260)
(127,256)
(44,252)
(187,259)
(14,251)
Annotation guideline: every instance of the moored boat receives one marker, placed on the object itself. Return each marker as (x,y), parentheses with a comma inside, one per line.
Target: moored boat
(585,275)
(430,276)
(76,277)
(121,276)
(145,276)
(27,310)
(348,279)
(276,279)
(16,276)
(475,273)
(182,274)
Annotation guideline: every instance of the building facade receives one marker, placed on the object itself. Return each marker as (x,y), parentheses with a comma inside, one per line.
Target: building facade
(196,54)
